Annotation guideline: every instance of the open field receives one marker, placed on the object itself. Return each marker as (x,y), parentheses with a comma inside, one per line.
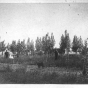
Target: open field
(47,75)
(25,70)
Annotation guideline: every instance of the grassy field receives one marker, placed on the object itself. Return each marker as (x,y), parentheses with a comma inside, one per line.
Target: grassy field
(58,71)
(47,76)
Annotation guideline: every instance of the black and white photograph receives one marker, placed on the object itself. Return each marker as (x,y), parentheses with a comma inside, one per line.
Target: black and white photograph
(44,43)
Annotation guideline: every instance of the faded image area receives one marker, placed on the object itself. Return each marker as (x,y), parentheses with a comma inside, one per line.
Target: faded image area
(44,43)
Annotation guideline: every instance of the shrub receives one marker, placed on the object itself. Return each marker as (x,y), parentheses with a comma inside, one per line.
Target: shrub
(73,61)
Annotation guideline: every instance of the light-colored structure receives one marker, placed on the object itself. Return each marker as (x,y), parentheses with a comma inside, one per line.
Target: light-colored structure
(71,52)
(10,53)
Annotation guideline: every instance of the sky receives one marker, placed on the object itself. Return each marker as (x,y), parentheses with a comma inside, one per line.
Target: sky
(23,20)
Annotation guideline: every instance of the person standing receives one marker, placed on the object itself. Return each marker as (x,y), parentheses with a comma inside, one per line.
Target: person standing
(56,54)
(7,54)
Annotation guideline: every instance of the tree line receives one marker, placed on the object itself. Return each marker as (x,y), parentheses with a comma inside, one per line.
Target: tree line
(46,44)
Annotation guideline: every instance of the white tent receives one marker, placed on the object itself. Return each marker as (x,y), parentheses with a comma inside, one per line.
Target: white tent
(10,53)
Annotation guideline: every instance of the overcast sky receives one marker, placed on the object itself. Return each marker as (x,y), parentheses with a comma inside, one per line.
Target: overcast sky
(20,21)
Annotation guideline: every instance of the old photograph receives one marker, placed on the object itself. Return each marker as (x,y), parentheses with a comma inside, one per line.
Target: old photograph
(43,43)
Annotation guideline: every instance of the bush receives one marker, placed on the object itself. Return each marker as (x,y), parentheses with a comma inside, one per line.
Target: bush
(74,61)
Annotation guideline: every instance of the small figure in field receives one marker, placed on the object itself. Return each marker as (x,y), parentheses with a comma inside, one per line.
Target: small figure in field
(7,54)
(56,54)
(40,64)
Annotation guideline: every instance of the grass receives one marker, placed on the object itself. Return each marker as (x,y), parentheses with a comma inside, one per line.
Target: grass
(49,61)
(36,77)
(74,60)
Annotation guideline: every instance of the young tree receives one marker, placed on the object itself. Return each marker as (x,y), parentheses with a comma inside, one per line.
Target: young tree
(13,46)
(30,46)
(52,41)
(23,46)
(38,44)
(84,50)
(19,49)
(65,42)
(80,44)
(75,44)
(48,43)
(62,42)
(2,46)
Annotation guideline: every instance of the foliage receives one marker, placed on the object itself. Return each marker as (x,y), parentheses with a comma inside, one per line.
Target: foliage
(65,42)
(84,50)
(48,43)
(23,46)
(74,61)
(35,77)
(77,44)
(38,44)
(2,46)
(13,46)
(30,46)
(19,49)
